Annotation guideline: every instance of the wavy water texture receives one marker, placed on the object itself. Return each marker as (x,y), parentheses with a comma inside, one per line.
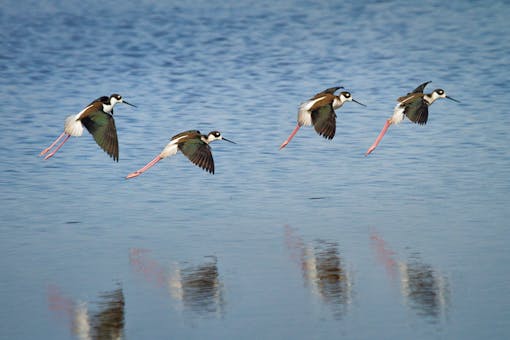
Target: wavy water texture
(243,68)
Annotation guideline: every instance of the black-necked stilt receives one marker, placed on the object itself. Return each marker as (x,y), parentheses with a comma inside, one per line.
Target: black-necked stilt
(319,111)
(193,145)
(97,118)
(415,106)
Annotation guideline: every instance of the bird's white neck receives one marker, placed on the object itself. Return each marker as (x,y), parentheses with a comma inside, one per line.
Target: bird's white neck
(109,107)
(430,98)
(210,137)
(338,101)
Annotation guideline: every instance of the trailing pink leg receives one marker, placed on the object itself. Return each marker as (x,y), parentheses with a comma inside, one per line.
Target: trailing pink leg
(290,137)
(145,168)
(378,139)
(58,147)
(52,144)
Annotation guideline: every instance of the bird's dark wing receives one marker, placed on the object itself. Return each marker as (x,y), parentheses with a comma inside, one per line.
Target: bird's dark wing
(420,88)
(324,121)
(330,90)
(199,153)
(103,99)
(417,111)
(102,126)
(189,133)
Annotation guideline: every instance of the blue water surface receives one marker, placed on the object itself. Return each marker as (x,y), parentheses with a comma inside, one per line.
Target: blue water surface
(315,241)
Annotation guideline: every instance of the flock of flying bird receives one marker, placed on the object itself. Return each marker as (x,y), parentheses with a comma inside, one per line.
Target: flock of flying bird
(318,111)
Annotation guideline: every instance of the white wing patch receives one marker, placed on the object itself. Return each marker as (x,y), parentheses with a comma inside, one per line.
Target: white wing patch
(83,111)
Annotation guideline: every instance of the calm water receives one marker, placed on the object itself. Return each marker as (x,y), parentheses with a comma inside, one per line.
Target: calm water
(311,242)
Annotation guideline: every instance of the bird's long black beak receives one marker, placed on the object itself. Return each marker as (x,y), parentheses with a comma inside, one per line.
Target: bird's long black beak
(455,100)
(228,140)
(354,100)
(125,102)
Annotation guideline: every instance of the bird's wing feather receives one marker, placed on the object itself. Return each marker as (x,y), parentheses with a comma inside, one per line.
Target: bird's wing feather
(420,88)
(188,134)
(324,121)
(102,99)
(102,127)
(330,90)
(199,153)
(417,111)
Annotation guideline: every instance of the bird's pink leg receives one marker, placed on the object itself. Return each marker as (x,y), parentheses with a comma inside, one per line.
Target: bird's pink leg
(145,168)
(378,139)
(290,137)
(52,144)
(58,147)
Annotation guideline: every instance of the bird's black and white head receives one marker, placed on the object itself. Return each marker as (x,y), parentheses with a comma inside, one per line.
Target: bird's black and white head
(113,100)
(117,98)
(347,97)
(436,94)
(216,135)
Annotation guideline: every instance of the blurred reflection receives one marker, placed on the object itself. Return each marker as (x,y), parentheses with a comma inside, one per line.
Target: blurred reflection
(107,323)
(150,269)
(323,270)
(424,289)
(197,288)
(385,255)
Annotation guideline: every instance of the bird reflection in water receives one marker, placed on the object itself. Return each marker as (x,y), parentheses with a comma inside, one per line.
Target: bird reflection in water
(423,288)
(426,290)
(196,288)
(106,323)
(323,270)
(199,287)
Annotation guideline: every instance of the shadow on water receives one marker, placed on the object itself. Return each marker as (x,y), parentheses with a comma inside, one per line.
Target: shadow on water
(424,289)
(106,323)
(194,287)
(323,270)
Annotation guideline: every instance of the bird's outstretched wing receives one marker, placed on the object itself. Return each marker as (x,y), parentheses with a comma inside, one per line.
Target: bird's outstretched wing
(324,121)
(417,111)
(199,153)
(330,90)
(189,134)
(102,127)
(420,88)
(102,99)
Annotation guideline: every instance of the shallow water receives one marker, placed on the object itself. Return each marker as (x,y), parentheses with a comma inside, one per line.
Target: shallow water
(314,241)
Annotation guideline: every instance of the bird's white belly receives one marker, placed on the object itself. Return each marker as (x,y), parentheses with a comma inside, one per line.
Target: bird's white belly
(398,114)
(169,150)
(73,126)
(304,114)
